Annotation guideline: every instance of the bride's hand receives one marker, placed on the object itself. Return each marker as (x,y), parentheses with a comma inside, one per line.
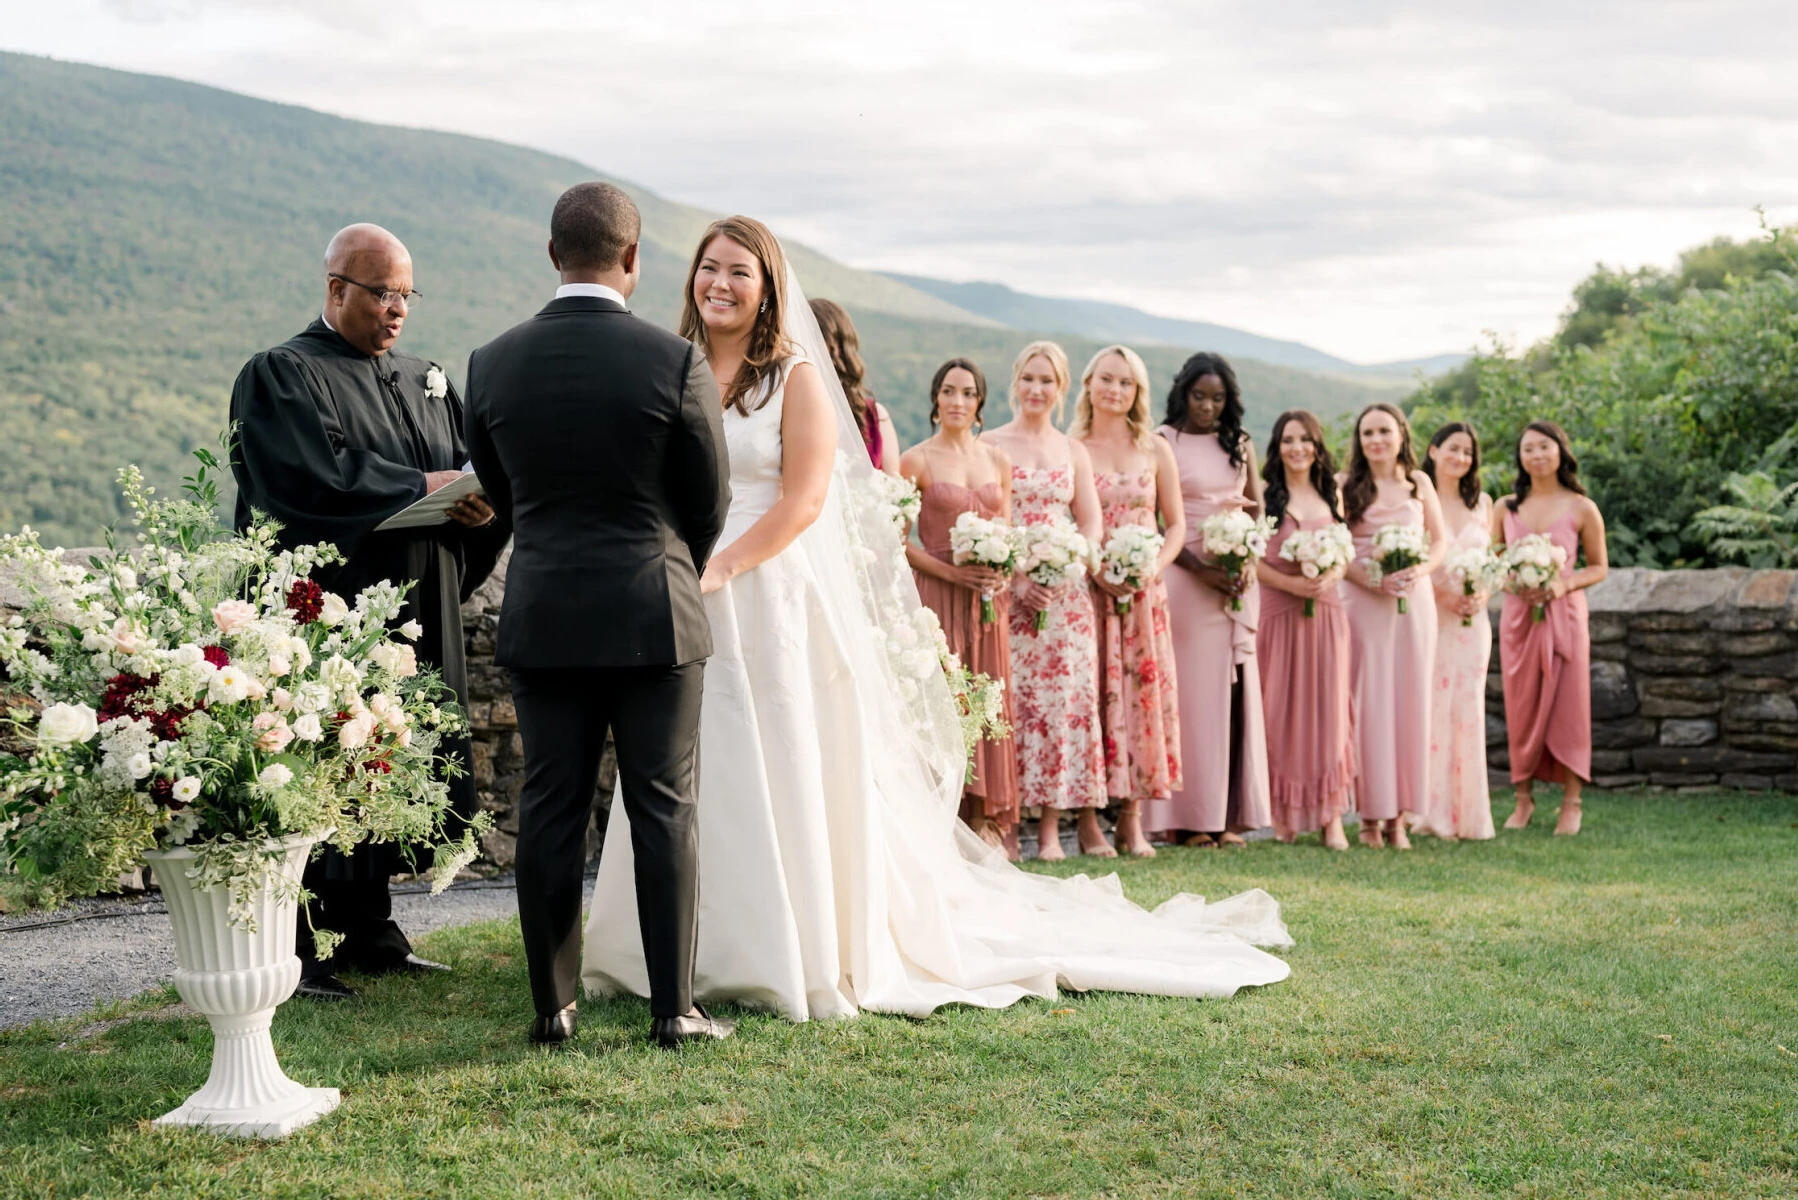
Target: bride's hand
(713,579)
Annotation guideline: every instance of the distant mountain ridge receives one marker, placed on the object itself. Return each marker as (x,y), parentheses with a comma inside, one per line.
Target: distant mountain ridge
(1120,323)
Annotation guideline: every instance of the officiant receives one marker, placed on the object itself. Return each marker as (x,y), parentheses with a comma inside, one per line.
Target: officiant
(336,431)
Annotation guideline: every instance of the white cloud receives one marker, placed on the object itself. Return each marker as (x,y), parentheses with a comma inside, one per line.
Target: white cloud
(1378,179)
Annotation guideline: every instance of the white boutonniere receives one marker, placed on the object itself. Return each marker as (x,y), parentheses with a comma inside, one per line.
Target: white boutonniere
(436,385)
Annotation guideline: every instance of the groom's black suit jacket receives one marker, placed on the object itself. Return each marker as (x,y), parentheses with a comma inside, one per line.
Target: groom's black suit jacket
(599,437)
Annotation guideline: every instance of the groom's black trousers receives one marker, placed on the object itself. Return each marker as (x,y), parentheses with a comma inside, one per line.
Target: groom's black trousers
(563,715)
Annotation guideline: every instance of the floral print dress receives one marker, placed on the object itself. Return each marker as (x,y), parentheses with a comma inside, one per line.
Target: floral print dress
(1055,671)
(1139,700)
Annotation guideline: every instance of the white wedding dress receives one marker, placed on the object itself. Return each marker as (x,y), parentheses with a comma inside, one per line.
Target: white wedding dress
(834,875)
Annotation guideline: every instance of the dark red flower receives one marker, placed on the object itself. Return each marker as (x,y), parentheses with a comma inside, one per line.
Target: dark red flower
(378,766)
(121,695)
(305,600)
(216,656)
(163,792)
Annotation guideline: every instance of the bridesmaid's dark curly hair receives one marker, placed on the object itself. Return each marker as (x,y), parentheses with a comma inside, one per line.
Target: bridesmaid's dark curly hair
(1359,489)
(1470,482)
(1229,424)
(1567,472)
(1323,467)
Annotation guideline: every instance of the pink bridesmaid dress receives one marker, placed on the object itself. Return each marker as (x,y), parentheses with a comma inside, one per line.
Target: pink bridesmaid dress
(1223,785)
(1055,670)
(1547,672)
(1305,684)
(1392,656)
(1139,706)
(1459,803)
(983,648)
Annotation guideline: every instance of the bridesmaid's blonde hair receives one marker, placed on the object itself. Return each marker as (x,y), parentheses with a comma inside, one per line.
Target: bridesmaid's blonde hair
(1058,363)
(1142,433)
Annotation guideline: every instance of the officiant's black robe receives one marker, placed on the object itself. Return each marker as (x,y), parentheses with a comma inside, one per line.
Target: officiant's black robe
(330,443)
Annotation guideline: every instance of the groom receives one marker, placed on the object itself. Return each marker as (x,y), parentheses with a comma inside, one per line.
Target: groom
(599,437)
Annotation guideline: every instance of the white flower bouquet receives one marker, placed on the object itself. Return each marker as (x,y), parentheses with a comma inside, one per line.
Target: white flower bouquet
(202,690)
(1396,547)
(1236,540)
(899,499)
(1533,561)
(986,542)
(1127,558)
(915,648)
(1474,569)
(1052,554)
(1318,552)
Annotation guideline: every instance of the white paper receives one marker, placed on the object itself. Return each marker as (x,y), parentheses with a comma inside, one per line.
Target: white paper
(434,508)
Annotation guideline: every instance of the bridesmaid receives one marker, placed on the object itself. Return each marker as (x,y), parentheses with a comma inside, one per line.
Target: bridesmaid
(1055,672)
(1304,660)
(1459,804)
(1224,762)
(1137,482)
(1548,664)
(845,346)
(1393,654)
(956,472)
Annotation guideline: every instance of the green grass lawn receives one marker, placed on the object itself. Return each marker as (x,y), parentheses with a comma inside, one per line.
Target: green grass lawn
(1612,1015)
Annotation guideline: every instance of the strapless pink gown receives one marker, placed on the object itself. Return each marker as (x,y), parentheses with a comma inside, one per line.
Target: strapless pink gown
(1393,656)
(1548,673)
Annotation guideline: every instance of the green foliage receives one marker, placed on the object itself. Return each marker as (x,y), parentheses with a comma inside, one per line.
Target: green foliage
(1693,386)
(1760,528)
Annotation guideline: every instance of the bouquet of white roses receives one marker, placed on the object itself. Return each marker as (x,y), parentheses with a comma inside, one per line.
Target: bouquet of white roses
(1053,553)
(900,499)
(1129,554)
(1236,540)
(986,542)
(917,647)
(1396,547)
(1318,552)
(201,689)
(1476,569)
(1533,561)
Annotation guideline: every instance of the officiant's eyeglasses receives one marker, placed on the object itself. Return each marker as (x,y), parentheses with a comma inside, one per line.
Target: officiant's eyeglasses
(388,299)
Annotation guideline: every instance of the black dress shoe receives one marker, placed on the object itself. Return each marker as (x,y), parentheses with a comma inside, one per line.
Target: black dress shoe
(553,1031)
(324,987)
(675,1031)
(414,965)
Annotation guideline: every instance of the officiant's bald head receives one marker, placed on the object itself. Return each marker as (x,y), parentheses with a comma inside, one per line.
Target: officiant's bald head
(368,287)
(593,236)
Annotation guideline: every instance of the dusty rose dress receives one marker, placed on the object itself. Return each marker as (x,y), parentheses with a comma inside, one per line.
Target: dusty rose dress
(1460,804)
(984,649)
(1305,698)
(1392,659)
(1548,673)
(1223,782)
(1139,707)
(1055,672)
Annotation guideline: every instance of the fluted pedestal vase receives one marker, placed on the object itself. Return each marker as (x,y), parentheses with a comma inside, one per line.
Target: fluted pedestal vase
(238,979)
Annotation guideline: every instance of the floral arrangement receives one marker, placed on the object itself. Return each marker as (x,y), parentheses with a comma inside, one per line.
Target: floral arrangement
(1128,556)
(1052,553)
(1530,562)
(915,648)
(1474,569)
(201,689)
(900,500)
(985,542)
(1318,552)
(1396,547)
(1236,540)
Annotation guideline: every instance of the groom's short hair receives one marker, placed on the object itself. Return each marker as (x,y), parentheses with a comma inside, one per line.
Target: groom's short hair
(592,226)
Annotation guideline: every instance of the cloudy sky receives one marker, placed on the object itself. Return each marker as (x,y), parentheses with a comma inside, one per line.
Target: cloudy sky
(1381,180)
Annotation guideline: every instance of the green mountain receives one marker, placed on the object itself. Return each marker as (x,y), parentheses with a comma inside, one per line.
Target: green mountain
(154,234)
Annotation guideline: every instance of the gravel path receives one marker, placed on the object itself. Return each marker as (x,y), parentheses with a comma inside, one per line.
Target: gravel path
(101,950)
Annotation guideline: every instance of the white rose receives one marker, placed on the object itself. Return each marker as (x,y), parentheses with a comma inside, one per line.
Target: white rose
(138,764)
(186,655)
(187,788)
(275,776)
(412,631)
(232,615)
(333,610)
(66,725)
(307,728)
(436,386)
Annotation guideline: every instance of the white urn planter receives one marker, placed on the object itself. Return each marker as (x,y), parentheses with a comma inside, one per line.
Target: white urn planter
(238,979)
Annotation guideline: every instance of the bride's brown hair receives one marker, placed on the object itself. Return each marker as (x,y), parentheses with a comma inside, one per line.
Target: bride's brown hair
(768,343)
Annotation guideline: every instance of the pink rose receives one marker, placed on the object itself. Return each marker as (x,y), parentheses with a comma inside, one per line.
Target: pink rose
(353,733)
(275,739)
(232,615)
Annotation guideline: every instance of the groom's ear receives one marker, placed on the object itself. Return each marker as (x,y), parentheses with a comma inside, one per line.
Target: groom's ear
(553,260)
(631,261)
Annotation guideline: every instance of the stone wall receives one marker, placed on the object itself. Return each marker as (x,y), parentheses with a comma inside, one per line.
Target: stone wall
(1692,680)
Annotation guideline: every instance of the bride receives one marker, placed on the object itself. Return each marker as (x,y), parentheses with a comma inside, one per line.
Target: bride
(834,875)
